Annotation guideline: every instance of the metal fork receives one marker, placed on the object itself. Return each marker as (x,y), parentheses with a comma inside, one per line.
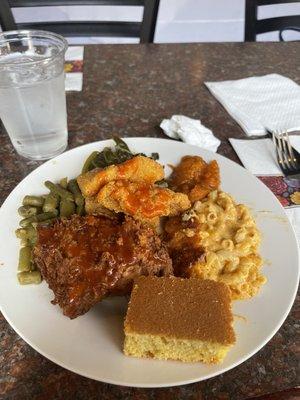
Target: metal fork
(288,161)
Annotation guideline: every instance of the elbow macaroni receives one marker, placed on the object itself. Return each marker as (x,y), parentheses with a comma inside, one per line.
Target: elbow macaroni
(228,234)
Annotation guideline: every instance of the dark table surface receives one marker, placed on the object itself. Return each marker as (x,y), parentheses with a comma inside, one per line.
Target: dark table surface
(128,90)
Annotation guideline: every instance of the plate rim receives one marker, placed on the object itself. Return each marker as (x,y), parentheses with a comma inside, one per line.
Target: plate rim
(186,381)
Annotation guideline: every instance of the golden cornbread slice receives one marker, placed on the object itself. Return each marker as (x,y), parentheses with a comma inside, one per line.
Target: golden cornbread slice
(179,319)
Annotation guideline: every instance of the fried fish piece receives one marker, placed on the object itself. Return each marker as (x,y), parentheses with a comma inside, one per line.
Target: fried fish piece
(142,201)
(195,177)
(137,169)
(93,207)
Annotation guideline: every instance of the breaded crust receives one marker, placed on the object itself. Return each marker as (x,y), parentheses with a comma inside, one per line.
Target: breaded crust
(137,169)
(195,177)
(142,201)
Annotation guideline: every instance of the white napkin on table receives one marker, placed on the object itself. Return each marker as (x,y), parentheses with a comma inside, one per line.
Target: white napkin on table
(73,80)
(258,156)
(294,217)
(74,53)
(270,101)
(190,131)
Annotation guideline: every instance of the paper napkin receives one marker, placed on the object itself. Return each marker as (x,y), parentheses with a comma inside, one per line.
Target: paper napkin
(258,156)
(270,101)
(74,68)
(190,131)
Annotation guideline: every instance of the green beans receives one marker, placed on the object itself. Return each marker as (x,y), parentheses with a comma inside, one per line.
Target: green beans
(25,242)
(58,190)
(26,233)
(35,201)
(80,210)
(21,233)
(74,188)
(28,277)
(66,208)
(51,202)
(64,183)
(27,221)
(44,223)
(24,259)
(64,200)
(46,215)
(28,211)
(87,166)
(38,218)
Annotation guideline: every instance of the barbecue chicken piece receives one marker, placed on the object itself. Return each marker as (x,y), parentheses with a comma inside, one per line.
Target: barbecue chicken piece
(195,177)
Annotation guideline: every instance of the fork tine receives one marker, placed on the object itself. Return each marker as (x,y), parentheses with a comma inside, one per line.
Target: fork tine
(291,154)
(285,155)
(278,149)
(285,151)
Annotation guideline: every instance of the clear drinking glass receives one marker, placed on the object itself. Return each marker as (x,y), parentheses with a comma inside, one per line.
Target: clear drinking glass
(32,92)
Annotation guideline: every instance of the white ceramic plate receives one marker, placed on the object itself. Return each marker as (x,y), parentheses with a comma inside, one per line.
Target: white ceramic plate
(91,345)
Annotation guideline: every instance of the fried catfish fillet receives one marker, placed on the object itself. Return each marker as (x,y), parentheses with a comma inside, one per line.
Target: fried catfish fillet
(195,177)
(142,201)
(84,259)
(136,169)
(92,206)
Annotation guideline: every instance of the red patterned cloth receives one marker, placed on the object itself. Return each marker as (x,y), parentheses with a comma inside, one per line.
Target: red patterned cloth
(283,188)
(74,66)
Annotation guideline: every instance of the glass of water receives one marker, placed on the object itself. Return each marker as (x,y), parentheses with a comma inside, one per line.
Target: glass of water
(32,92)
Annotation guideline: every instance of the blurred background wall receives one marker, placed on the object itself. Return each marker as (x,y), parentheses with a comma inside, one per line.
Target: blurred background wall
(178,20)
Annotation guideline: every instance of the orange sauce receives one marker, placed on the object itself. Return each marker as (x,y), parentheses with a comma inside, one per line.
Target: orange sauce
(127,168)
(142,199)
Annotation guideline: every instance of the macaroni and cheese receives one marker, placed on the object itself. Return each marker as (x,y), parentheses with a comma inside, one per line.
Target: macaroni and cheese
(229,239)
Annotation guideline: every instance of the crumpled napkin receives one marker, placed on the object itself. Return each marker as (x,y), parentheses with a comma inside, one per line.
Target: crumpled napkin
(260,102)
(190,131)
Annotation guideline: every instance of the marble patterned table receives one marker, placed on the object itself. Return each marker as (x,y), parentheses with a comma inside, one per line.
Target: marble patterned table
(128,90)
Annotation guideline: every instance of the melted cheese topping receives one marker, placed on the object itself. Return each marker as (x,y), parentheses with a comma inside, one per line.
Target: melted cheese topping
(230,240)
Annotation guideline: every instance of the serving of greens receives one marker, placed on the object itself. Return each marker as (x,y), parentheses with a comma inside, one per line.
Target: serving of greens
(63,200)
(109,156)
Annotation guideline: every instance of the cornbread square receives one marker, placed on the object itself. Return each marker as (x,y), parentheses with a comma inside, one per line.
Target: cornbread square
(179,319)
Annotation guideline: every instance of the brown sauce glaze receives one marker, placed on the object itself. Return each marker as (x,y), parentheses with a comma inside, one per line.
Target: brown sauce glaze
(84,259)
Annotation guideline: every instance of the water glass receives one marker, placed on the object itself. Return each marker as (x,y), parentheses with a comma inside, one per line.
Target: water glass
(32,92)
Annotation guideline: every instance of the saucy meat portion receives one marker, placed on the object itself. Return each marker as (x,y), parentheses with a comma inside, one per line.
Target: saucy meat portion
(185,249)
(84,259)
(194,177)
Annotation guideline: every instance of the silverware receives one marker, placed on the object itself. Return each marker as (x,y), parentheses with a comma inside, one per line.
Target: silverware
(287,157)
